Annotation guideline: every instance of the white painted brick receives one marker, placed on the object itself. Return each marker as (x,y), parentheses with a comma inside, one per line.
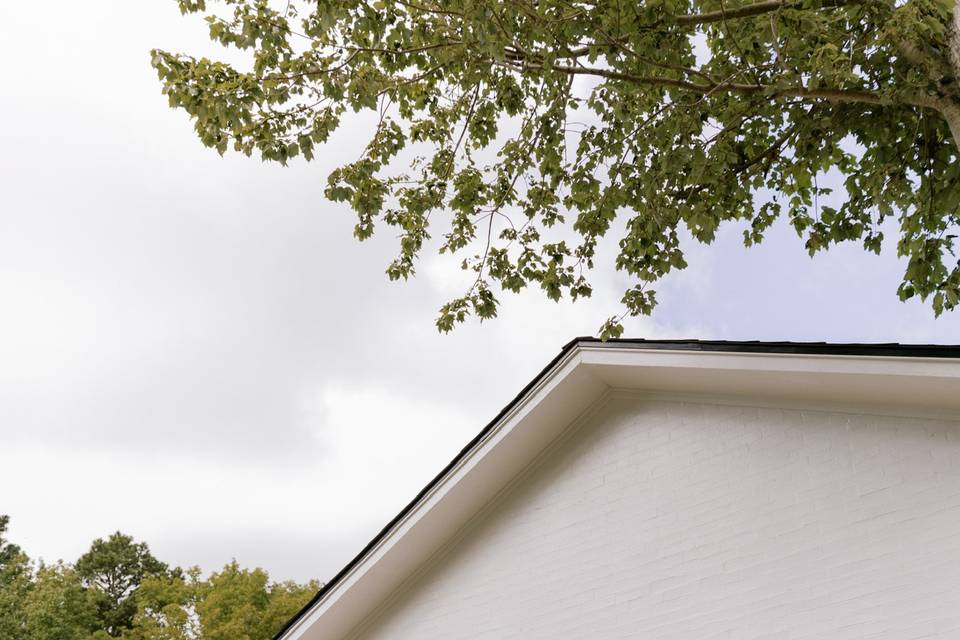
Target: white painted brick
(670,520)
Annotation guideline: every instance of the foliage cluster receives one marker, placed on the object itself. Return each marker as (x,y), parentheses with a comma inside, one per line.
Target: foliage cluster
(117,589)
(524,131)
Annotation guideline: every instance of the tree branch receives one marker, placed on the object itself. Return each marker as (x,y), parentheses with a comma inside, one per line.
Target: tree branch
(421,49)
(951,113)
(948,108)
(743,165)
(827,93)
(434,10)
(756,9)
(953,44)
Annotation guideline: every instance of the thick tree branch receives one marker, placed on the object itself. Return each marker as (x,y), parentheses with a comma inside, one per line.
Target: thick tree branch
(832,94)
(951,113)
(949,108)
(756,9)
(937,69)
(433,10)
(421,49)
(953,41)
(614,75)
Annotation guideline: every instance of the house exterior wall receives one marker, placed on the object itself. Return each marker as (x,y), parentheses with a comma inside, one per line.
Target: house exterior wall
(657,518)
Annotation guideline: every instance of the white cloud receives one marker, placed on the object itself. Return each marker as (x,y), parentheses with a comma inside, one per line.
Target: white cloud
(378,450)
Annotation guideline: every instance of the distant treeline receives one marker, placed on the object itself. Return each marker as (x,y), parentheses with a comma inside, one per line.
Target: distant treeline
(118,589)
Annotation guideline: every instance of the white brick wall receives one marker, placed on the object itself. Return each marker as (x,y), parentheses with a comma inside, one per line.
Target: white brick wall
(676,520)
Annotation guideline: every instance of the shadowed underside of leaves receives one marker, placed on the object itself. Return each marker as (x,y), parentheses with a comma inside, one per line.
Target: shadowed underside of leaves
(519,133)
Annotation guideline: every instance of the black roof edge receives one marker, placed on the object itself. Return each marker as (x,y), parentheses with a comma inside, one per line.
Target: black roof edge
(328,586)
(886,349)
(802,348)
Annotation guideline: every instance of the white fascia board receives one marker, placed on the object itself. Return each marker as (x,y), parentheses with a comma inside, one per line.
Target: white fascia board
(913,385)
(598,353)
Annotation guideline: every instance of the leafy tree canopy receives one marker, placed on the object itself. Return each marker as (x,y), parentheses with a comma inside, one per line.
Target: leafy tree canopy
(70,602)
(239,604)
(166,608)
(15,583)
(8,551)
(15,586)
(233,604)
(528,127)
(114,568)
(58,607)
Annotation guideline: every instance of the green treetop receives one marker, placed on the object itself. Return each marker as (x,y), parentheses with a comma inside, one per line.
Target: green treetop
(113,569)
(119,590)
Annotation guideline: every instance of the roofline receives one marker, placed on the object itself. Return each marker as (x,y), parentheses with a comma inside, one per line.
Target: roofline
(888,349)
(784,348)
(328,586)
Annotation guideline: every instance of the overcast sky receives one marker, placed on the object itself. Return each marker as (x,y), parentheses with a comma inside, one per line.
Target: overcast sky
(194,350)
